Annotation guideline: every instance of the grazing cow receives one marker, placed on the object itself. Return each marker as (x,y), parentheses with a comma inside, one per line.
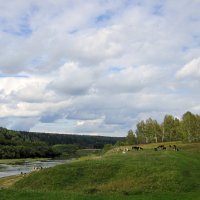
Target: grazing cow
(23,174)
(175,148)
(37,168)
(160,147)
(137,148)
(124,150)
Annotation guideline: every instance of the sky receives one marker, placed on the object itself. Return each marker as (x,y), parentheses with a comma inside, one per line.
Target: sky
(97,67)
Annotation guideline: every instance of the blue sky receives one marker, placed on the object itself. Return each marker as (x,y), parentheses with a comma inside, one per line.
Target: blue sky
(97,67)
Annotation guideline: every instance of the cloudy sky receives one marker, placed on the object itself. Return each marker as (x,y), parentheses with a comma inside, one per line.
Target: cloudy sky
(97,67)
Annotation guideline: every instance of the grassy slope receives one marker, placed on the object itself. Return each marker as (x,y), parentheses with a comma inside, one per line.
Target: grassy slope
(135,175)
(9,181)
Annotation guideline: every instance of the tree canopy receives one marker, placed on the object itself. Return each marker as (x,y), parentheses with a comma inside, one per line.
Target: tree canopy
(171,129)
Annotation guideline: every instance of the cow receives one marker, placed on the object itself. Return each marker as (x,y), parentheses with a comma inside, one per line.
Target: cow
(137,148)
(175,148)
(160,147)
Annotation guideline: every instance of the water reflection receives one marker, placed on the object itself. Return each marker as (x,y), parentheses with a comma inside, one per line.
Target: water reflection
(26,167)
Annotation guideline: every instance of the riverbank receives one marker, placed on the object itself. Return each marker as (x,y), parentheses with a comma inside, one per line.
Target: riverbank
(11,167)
(7,182)
(7,170)
(19,161)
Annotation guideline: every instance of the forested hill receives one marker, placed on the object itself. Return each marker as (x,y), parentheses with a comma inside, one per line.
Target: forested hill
(20,144)
(15,145)
(85,141)
(14,138)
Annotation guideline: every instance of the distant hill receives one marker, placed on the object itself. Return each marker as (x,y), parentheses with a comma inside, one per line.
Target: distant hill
(85,141)
(21,144)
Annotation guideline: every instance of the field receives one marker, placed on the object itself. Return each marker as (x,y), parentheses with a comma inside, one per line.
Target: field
(143,175)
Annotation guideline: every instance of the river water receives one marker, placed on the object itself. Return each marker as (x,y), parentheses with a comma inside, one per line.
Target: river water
(26,167)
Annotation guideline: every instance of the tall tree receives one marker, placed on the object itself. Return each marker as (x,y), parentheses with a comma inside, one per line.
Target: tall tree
(189,126)
(177,130)
(131,139)
(168,127)
(141,132)
(153,130)
(197,137)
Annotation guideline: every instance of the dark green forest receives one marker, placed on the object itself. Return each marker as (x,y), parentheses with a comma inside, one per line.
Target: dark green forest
(20,144)
(15,145)
(84,141)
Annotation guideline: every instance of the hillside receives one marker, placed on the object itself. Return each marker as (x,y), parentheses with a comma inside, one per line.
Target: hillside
(19,144)
(15,145)
(86,141)
(146,174)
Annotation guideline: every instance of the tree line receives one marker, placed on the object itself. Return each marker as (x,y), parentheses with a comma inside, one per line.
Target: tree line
(186,129)
(15,145)
(84,141)
(20,144)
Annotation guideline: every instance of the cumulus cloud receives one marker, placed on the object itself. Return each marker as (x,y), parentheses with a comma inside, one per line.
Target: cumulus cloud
(129,79)
(97,67)
(191,69)
(71,79)
(18,123)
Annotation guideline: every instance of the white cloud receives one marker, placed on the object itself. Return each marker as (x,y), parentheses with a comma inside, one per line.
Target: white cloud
(129,80)
(191,69)
(97,67)
(71,79)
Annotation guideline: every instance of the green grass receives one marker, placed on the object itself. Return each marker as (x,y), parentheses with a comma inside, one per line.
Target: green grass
(6,182)
(60,195)
(136,175)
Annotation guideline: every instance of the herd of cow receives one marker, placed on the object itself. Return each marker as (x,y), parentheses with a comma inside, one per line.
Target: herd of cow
(162,147)
(158,148)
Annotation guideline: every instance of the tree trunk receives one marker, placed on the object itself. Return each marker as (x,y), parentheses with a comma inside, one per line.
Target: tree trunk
(146,138)
(156,139)
(163,134)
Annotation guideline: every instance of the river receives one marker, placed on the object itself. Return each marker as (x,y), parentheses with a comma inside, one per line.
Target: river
(26,167)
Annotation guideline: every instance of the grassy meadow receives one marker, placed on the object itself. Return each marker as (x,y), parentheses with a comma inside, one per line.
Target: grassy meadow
(138,175)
